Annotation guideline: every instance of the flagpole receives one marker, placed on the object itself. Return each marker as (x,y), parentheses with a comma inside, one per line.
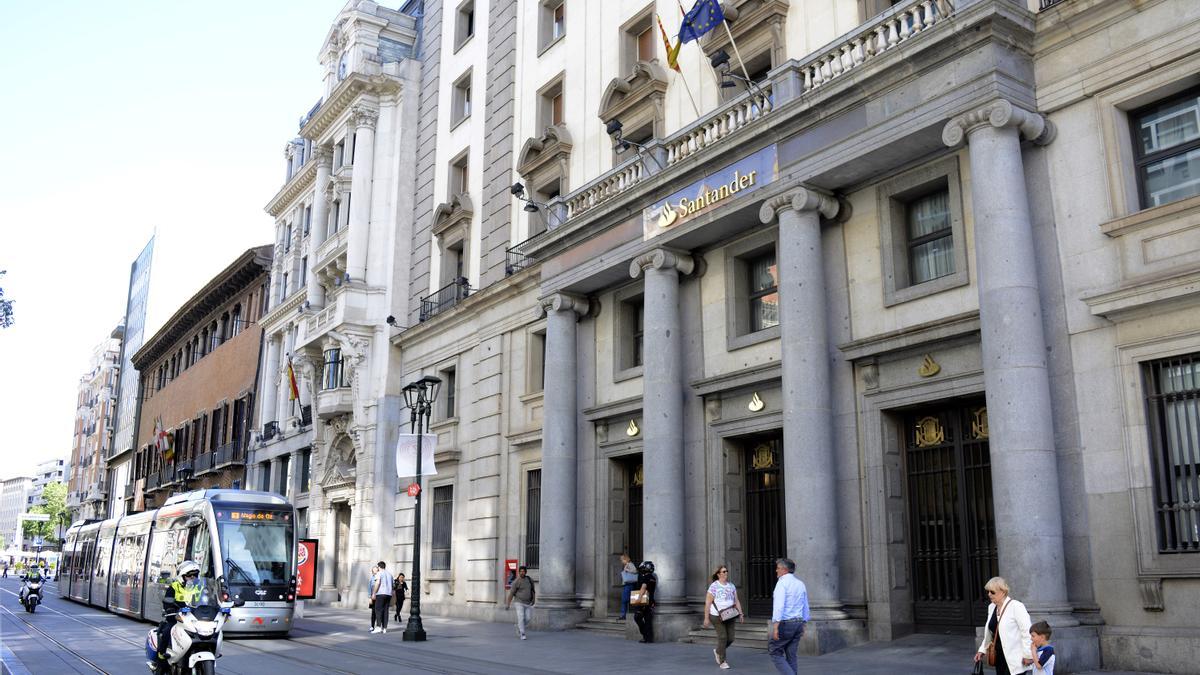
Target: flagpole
(735,49)
(688,87)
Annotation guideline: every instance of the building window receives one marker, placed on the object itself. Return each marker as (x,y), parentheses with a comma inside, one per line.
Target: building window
(465,25)
(533,516)
(449,385)
(764,292)
(1173,407)
(283,286)
(460,174)
(930,237)
(1167,149)
(264,473)
(630,330)
(553,25)
(339,154)
(452,262)
(637,40)
(332,374)
(305,470)
(537,361)
(550,104)
(304,271)
(461,105)
(285,476)
(443,522)
(921,232)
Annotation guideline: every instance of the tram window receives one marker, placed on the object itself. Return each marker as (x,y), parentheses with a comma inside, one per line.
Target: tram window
(198,549)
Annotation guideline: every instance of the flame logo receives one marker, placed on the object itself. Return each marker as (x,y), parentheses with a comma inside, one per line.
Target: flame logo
(928,367)
(756,404)
(632,429)
(667,216)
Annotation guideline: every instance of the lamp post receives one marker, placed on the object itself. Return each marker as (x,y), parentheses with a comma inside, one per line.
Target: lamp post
(418,398)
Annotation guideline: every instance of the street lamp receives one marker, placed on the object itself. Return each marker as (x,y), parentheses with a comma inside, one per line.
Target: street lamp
(418,398)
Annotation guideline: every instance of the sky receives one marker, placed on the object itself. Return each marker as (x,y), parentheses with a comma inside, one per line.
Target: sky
(125,119)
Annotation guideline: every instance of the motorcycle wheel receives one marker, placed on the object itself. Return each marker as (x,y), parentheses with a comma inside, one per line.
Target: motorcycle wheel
(205,668)
(31,606)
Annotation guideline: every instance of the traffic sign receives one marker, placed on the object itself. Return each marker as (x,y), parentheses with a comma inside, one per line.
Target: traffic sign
(414,490)
(41,517)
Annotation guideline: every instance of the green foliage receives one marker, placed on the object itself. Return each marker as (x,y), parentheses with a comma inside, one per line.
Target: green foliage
(55,496)
(6,310)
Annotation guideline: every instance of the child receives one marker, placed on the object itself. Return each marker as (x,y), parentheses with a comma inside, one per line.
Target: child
(1044,663)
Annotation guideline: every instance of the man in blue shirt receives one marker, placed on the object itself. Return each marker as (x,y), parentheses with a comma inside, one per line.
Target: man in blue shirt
(789,613)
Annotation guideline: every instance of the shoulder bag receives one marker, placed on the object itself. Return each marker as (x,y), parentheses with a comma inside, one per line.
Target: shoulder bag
(730,612)
(991,648)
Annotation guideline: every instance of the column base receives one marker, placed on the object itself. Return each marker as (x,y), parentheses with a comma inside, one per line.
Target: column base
(825,635)
(1077,648)
(564,617)
(327,595)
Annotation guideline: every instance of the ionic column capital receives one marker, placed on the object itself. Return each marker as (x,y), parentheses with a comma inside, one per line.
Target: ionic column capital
(800,199)
(662,258)
(999,114)
(364,117)
(562,302)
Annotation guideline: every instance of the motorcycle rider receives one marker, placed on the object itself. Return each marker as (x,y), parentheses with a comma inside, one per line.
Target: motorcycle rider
(33,575)
(182,591)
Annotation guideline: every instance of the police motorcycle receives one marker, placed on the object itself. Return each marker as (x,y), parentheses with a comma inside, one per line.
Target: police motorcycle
(33,593)
(196,636)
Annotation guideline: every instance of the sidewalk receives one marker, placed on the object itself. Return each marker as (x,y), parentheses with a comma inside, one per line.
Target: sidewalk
(578,651)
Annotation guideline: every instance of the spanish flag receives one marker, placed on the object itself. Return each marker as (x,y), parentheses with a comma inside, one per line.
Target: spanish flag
(293,389)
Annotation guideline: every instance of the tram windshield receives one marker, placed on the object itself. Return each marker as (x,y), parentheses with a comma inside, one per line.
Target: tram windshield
(256,545)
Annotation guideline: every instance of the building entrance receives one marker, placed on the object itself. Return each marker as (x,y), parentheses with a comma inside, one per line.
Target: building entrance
(341,549)
(765,526)
(625,520)
(952,527)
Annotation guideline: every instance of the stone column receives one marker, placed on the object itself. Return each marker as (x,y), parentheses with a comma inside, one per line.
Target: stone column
(271,381)
(1021,428)
(809,447)
(560,456)
(360,189)
(662,424)
(320,217)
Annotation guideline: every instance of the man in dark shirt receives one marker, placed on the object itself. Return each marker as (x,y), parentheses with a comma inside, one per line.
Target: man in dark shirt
(643,612)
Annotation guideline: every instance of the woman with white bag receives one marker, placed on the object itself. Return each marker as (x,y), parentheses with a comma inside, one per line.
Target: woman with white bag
(722,610)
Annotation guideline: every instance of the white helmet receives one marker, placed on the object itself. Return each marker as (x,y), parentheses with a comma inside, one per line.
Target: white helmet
(188,567)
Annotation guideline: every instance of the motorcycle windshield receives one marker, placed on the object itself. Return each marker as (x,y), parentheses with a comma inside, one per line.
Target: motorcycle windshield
(204,601)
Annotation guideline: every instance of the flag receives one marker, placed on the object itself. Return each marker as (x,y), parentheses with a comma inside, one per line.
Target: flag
(672,52)
(406,455)
(164,441)
(705,16)
(293,388)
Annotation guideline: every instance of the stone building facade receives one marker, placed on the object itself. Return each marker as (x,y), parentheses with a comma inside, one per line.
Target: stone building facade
(87,485)
(197,380)
(912,302)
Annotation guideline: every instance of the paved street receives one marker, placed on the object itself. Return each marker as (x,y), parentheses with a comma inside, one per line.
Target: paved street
(65,637)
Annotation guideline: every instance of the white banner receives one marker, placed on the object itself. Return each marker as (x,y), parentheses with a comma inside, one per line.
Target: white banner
(406,455)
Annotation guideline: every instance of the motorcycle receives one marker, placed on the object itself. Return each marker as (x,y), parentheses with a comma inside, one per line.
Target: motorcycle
(33,594)
(196,636)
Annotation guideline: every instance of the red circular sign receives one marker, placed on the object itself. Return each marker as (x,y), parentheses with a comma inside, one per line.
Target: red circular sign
(414,490)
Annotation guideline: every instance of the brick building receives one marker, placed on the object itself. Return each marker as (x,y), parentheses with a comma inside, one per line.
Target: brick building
(197,375)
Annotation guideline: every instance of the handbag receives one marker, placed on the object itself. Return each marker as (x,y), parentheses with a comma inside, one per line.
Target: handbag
(991,648)
(730,612)
(978,669)
(629,577)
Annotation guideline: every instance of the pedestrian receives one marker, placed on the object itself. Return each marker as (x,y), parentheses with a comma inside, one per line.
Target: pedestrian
(723,611)
(4,574)
(1006,644)
(789,613)
(381,595)
(523,592)
(643,602)
(629,576)
(371,602)
(399,592)
(1039,634)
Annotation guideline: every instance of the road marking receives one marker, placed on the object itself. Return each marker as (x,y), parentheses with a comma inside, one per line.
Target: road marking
(11,663)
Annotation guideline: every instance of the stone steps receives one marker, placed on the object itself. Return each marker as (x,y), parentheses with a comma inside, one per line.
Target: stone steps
(749,635)
(603,627)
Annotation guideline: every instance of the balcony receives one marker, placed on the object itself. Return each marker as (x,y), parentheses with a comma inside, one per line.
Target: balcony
(129,490)
(335,397)
(151,482)
(204,463)
(445,298)
(230,454)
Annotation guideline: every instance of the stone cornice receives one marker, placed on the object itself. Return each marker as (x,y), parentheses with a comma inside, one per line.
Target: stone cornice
(553,144)
(458,211)
(288,306)
(999,113)
(301,181)
(1140,298)
(647,82)
(912,337)
(344,96)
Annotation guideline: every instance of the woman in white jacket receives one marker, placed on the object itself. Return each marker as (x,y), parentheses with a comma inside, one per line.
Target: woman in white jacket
(1008,623)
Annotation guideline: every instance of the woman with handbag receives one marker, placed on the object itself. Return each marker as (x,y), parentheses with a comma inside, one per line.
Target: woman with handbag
(723,610)
(629,577)
(1006,644)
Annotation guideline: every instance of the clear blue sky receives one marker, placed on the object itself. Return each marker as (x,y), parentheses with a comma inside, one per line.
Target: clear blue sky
(120,118)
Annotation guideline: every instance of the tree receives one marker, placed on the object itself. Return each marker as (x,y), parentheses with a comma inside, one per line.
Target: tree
(6,311)
(55,497)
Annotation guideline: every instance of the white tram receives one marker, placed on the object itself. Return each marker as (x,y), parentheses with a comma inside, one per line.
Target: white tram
(247,537)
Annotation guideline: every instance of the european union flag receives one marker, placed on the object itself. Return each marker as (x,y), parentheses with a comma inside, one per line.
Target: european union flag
(704,16)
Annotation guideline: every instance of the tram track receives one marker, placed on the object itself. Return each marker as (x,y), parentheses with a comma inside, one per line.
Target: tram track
(32,626)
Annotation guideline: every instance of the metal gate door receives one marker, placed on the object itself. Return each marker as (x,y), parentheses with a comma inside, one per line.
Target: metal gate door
(952,532)
(634,514)
(764,522)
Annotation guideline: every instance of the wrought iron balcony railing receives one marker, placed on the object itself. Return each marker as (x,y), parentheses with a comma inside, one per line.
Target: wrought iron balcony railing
(445,298)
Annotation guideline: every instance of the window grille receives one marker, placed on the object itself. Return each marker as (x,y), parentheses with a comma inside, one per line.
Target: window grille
(533,517)
(1173,412)
(443,518)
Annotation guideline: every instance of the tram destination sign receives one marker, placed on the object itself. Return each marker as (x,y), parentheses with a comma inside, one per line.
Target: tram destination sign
(725,184)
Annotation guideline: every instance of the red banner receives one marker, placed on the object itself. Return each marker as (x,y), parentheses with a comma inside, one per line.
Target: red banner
(306,569)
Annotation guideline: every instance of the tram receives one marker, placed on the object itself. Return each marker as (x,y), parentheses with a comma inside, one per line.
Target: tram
(247,537)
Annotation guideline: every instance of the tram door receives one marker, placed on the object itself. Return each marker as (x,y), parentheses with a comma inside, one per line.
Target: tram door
(952,528)
(765,526)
